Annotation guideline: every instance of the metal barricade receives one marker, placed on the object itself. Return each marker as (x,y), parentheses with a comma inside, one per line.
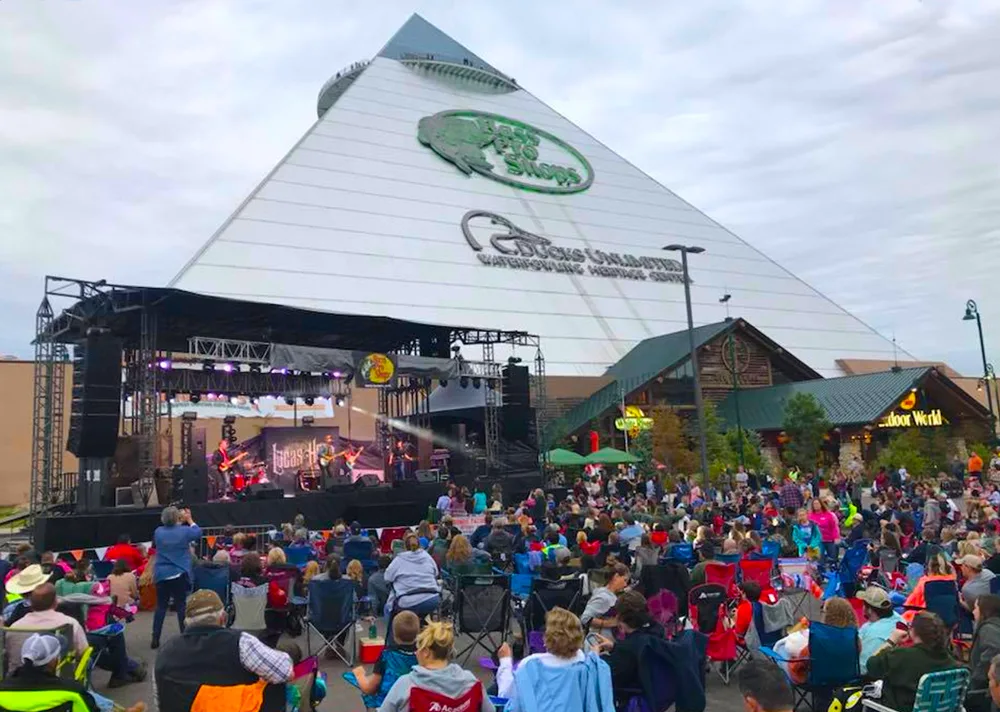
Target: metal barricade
(261,532)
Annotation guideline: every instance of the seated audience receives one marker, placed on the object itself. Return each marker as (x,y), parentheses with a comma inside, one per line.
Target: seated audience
(985,647)
(749,595)
(462,559)
(34,685)
(625,655)
(977,580)
(127,551)
(561,678)
(392,663)
(706,556)
(217,667)
(124,585)
(378,589)
(413,577)
(356,573)
(293,696)
(938,569)
(764,687)
(794,647)
(881,621)
(436,673)
(598,616)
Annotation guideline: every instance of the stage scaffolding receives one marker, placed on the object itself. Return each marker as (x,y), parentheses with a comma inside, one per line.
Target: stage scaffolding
(155,324)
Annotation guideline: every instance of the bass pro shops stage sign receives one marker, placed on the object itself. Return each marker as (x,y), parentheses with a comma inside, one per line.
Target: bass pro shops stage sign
(506,150)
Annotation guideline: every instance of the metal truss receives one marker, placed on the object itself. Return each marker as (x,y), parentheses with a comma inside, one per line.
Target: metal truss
(494,397)
(541,403)
(485,370)
(256,352)
(471,337)
(47,411)
(146,399)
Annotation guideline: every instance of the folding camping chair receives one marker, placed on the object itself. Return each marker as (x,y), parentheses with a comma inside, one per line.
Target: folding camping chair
(758,571)
(70,665)
(422,700)
(363,551)
(299,556)
(331,613)
(663,608)
(482,609)
(728,559)
(546,595)
(942,691)
(670,575)
(850,567)
(213,578)
(833,662)
(397,663)
(682,552)
(249,605)
(724,575)
(707,613)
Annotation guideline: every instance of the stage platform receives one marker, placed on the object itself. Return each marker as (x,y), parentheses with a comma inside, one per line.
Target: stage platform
(373,507)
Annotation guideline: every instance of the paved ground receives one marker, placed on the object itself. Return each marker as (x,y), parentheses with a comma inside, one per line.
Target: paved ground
(342,697)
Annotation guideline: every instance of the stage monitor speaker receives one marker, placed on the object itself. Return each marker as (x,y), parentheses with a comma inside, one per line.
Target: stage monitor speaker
(338,482)
(194,489)
(428,476)
(266,490)
(95,409)
(368,480)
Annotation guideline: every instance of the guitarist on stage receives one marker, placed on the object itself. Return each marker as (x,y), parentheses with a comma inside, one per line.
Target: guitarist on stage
(325,455)
(351,455)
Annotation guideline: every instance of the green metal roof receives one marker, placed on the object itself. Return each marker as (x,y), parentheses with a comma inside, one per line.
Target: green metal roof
(645,361)
(850,400)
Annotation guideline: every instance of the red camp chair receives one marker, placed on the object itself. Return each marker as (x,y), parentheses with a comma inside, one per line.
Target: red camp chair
(658,538)
(758,571)
(724,575)
(422,700)
(707,613)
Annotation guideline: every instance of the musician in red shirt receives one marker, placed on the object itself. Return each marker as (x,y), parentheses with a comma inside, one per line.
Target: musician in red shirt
(126,550)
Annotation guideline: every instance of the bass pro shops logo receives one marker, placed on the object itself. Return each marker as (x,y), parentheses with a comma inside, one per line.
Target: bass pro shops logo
(516,248)
(506,150)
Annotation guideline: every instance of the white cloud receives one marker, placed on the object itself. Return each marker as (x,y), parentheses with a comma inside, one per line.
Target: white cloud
(853,143)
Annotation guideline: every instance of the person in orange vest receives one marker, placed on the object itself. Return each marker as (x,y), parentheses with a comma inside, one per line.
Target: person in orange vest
(975,466)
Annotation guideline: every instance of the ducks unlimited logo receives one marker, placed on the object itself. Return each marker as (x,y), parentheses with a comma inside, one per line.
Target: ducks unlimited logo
(506,150)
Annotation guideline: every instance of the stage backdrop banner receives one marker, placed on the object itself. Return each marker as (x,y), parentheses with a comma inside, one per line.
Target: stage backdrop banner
(288,450)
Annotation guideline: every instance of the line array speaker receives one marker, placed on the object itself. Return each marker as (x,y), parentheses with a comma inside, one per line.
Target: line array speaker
(97,396)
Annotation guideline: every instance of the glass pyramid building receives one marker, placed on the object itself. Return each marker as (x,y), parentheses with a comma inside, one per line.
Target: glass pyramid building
(434,188)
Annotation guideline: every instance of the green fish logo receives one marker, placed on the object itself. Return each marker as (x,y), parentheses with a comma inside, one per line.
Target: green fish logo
(456,140)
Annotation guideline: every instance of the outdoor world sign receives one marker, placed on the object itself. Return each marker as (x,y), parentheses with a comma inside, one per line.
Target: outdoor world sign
(516,248)
(914,419)
(506,150)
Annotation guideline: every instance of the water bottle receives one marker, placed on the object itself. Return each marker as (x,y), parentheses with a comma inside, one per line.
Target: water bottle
(372,630)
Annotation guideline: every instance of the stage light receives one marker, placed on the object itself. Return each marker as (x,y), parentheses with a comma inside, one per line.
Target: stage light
(229,420)
(195,398)
(227,367)
(254,400)
(307,421)
(341,401)
(463,381)
(234,400)
(289,400)
(255,368)
(282,371)
(477,382)
(337,374)
(513,360)
(208,366)
(309,400)
(211,396)
(165,364)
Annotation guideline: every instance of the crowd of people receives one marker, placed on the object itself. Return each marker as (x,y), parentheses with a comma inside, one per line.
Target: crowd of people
(604,529)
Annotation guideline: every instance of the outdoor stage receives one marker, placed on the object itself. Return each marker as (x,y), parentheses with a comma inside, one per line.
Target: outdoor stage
(372,506)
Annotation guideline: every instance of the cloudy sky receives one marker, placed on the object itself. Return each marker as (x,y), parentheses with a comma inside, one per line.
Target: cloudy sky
(854,143)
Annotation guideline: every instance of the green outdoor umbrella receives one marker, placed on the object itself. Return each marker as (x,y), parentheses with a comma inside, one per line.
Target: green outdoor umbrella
(565,458)
(611,456)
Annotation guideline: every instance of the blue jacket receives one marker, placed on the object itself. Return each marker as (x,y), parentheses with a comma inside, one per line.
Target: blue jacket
(799,538)
(173,550)
(582,686)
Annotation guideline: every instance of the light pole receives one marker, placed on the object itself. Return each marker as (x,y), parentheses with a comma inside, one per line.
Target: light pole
(972,313)
(698,405)
(736,379)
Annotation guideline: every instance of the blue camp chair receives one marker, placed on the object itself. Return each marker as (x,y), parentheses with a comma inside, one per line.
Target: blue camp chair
(942,598)
(771,549)
(833,662)
(213,577)
(727,558)
(362,550)
(397,663)
(850,566)
(299,555)
(331,614)
(682,552)
(936,692)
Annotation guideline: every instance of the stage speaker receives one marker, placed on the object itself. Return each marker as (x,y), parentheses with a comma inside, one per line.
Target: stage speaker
(96,403)
(199,446)
(516,386)
(428,476)
(194,488)
(368,480)
(338,482)
(266,490)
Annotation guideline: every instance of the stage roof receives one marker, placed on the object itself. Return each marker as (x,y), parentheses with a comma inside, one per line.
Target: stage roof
(181,315)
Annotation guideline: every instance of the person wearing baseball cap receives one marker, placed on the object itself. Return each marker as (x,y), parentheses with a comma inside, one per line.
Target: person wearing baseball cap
(977,579)
(881,621)
(209,666)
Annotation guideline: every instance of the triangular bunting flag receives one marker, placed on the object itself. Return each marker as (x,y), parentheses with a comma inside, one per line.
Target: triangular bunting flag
(211,541)
(101,551)
(77,553)
(326,533)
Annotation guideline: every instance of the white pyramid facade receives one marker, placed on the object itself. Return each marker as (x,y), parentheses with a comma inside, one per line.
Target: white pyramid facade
(361,217)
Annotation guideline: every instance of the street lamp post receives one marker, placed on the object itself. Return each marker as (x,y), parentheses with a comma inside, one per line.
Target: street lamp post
(972,313)
(698,405)
(736,379)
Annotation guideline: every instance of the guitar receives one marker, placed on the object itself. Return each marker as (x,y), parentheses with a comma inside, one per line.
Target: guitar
(228,463)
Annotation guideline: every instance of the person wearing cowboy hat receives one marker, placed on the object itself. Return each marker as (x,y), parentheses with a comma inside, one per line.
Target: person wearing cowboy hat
(881,621)
(18,587)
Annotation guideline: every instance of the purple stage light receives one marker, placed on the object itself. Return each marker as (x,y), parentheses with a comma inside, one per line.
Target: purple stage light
(337,374)
(165,364)
(227,367)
